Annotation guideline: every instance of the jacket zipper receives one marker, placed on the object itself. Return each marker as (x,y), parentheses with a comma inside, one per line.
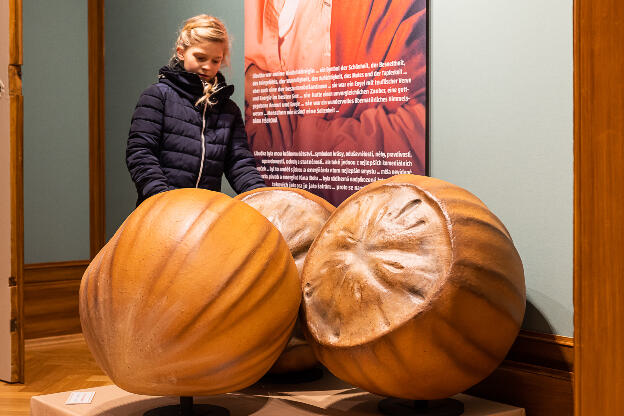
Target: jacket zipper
(203,143)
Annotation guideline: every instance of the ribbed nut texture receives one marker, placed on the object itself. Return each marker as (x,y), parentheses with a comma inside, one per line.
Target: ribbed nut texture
(299,215)
(413,289)
(196,294)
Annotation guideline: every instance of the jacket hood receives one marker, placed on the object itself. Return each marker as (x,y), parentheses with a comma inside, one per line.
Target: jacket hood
(190,86)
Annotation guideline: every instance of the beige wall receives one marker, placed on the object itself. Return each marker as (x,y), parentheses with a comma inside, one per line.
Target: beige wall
(56,130)
(502,127)
(5,198)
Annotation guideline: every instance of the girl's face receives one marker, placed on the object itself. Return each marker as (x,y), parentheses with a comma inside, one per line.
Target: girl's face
(203,59)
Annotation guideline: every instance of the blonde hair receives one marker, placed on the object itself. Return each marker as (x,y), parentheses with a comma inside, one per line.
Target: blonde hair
(202,28)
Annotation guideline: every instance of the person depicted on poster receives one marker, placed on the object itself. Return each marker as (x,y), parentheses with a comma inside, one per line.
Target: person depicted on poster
(336,91)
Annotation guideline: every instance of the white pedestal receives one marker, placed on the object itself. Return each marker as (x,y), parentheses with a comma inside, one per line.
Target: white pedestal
(328,396)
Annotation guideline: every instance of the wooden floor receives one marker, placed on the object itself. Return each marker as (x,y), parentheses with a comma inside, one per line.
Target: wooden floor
(52,365)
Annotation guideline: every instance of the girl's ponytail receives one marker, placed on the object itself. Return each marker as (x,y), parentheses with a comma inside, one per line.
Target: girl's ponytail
(210,88)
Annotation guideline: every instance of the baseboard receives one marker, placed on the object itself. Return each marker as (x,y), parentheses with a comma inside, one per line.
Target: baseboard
(537,375)
(54,272)
(544,350)
(540,391)
(51,298)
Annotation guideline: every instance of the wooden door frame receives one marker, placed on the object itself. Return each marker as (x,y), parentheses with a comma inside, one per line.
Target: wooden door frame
(97,144)
(598,207)
(97,190)
(17,190)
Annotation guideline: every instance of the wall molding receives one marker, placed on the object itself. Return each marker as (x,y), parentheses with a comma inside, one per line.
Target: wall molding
(554,352)
(56,271)
(17,187)
(97,149)
(537,374)
(57,315)
(58,283)
(539,390)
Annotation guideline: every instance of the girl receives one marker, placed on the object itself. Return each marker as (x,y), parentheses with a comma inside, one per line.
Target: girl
(186,131)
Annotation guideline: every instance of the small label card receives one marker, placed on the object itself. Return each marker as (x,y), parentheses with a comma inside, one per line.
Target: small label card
(80,397)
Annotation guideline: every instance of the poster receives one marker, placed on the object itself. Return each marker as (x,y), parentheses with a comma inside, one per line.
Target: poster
(336,91)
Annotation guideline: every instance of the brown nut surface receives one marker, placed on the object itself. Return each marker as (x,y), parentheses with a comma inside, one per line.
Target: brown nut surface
(196,294)
(299,215)
(413,289)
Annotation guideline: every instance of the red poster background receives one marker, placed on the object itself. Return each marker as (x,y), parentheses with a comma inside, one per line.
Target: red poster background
(340,99)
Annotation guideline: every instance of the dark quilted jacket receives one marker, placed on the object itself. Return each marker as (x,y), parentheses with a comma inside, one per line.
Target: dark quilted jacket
(165,143)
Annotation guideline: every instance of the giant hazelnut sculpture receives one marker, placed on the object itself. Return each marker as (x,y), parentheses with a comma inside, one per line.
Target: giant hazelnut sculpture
(413,289)
(196,294)
(299,215)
